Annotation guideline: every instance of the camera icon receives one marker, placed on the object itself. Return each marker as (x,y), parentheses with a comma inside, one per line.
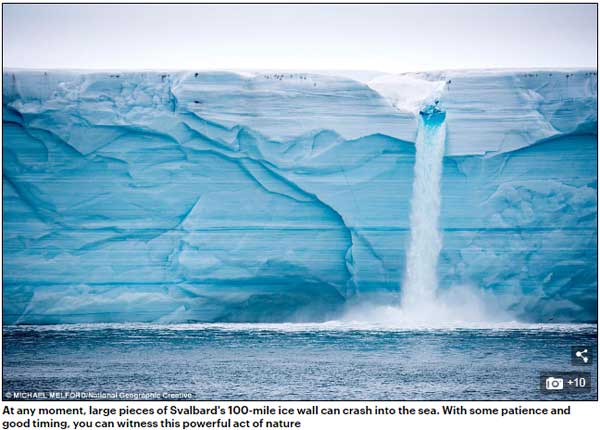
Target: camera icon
(554,383)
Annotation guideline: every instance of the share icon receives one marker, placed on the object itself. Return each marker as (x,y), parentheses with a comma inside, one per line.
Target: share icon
(581,355)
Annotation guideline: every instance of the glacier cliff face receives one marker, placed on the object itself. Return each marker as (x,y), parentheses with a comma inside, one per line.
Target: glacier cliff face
(205,196)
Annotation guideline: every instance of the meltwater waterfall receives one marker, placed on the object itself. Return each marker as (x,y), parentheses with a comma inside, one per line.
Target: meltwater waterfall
(420,281)
(146,197)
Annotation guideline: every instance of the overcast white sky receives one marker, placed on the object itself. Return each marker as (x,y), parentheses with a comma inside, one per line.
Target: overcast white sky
(391,38)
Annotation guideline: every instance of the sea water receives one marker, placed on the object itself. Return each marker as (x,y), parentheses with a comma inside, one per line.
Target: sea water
(327,361)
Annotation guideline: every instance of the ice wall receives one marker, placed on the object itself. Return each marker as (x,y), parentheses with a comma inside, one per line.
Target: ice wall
(205,196)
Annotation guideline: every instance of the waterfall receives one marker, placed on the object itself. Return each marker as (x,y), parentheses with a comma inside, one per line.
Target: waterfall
(422,305)
(420,283)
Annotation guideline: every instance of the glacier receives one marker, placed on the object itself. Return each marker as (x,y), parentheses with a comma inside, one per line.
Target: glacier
(271,196)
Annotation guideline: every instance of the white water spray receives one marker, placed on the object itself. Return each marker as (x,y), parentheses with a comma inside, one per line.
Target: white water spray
(420,283)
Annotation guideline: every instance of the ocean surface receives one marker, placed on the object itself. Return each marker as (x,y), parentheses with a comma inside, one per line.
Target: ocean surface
(327,361)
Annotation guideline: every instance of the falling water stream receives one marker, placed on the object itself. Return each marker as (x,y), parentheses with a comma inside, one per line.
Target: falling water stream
(420,281)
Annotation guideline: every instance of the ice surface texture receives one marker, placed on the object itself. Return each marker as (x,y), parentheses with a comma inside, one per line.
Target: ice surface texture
(207,196)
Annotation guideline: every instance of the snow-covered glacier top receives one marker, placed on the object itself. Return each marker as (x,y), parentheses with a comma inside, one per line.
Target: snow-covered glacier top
(488,111)
(499,110)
